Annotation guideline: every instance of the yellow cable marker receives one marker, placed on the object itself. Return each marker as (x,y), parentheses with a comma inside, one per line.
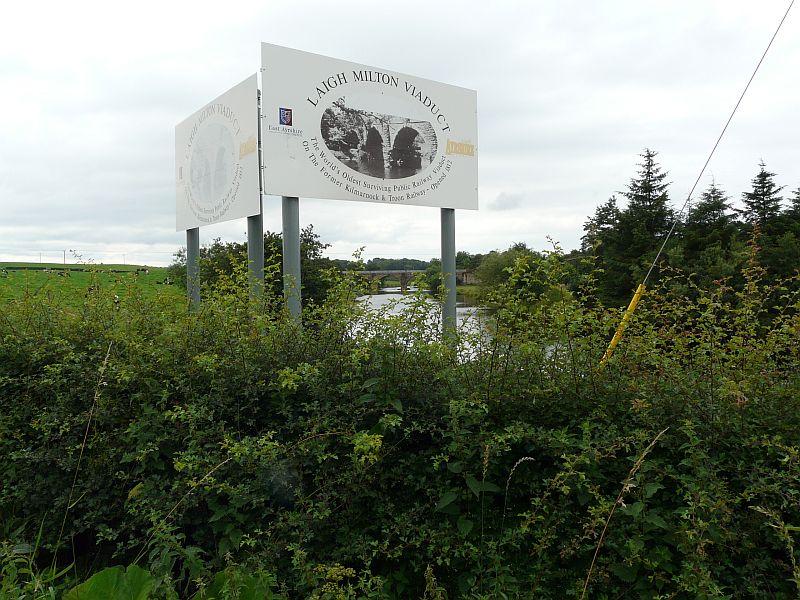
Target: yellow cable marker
(623,324)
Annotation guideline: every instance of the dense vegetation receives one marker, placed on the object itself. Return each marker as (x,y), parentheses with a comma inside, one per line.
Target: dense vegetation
(710,241)
(221,259)
(232,452)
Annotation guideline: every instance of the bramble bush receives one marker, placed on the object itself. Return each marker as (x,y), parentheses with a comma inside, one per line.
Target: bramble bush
(231,452)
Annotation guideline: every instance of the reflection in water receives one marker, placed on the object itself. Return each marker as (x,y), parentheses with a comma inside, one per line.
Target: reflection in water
(393,300)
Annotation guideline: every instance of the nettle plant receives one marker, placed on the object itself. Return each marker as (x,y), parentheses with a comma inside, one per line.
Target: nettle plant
(360,455)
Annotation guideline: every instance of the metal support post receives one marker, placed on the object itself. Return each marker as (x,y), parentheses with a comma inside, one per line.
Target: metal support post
(291,254)
(255,227)
(449,270)
(193,266)
(255,254)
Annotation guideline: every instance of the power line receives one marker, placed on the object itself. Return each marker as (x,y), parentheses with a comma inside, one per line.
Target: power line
(714,149)
(640,290)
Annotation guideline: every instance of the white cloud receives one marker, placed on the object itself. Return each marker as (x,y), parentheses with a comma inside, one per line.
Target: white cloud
(569,93)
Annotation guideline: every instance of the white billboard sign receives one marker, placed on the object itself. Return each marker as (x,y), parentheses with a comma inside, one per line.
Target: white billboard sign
(347,131)
(216,159)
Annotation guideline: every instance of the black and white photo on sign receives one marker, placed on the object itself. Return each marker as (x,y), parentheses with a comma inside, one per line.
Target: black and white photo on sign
(381,145)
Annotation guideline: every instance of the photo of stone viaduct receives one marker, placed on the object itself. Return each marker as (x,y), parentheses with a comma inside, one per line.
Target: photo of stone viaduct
(384,146)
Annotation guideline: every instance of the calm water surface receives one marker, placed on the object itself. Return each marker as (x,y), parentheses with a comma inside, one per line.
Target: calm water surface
(465,312)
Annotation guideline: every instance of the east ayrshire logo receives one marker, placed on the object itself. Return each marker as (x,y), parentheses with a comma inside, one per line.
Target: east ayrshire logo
(285,116)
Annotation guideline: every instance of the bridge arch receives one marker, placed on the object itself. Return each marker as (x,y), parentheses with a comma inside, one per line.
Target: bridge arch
(374,144)
(380,145)
(374,153)
(350,141)
(407,148)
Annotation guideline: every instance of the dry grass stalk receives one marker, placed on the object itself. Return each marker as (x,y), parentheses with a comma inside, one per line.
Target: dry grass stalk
(70,503)
(626,485)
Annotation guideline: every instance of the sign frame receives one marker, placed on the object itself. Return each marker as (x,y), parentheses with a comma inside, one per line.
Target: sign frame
(335,129)
(217,164)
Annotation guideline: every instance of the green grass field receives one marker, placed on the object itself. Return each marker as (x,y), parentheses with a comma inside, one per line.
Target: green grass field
(70,283)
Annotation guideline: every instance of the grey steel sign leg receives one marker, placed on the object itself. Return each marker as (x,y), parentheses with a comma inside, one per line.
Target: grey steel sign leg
(449,270)
(291,254)
(255,254)
(255,228)
(193,266)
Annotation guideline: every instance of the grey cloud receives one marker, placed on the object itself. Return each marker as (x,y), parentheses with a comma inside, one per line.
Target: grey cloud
(506,201)
(568,93)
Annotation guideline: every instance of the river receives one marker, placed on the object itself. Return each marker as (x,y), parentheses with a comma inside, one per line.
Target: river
(393,299)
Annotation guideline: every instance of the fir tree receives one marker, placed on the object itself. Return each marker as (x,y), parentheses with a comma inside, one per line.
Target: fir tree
(763,203)
(711,212)
(597,228)
(642,225)
(623,240)
(709,236)
(794,207)
(647,208)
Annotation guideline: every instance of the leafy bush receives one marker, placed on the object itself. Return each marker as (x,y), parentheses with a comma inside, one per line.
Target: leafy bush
(358,456)
(221,260)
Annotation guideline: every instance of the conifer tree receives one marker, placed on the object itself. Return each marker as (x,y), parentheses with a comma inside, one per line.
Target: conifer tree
(624,240)
(642,226)
(597,228)
(794,207)
(711,211)
(709,236)
(763,202)
(647,197)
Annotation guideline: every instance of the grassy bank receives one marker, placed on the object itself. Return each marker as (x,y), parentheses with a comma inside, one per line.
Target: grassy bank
(70,283)
(471,292)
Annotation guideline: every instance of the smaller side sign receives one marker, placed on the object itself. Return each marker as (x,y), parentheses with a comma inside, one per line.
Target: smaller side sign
(216,160)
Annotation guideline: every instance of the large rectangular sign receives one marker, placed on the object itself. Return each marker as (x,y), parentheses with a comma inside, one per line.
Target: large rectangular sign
(216,160)
(342,130)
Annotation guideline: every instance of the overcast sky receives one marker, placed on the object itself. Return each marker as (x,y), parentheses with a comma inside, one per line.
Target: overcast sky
(569,92)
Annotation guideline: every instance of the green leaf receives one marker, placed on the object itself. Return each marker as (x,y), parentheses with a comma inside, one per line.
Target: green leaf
(370,383)
(451,509)
(139,583)
(447,498)
(464,526)
(652,488)
(488,486)
(455,467)
(632,510)
(236,537)
(655,519)
(474,485)
(481,486)
(625,572)
(136,490)
(235,584)
(224,546)
(114,583)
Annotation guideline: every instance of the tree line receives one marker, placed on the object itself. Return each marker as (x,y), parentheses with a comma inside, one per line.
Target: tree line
(712,240)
